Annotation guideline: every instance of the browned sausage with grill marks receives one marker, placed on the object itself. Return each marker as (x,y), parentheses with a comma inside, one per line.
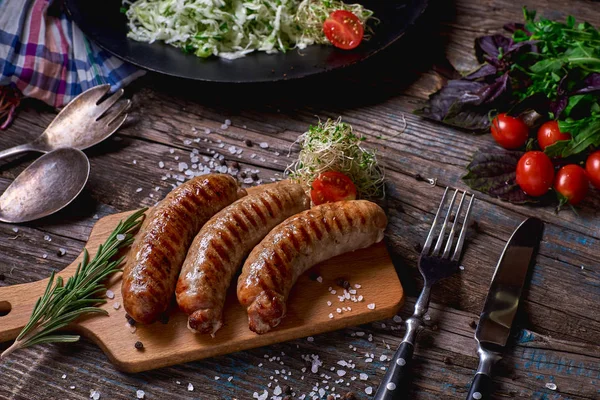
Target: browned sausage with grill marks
(153,264)
(222,244)
(297,244)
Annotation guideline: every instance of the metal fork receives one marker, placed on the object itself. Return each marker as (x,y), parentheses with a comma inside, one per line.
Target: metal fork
(434,264)
(84,122)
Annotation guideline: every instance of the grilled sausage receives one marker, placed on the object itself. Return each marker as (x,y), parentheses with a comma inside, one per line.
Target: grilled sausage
(153,265)
(297,244)
(222,244)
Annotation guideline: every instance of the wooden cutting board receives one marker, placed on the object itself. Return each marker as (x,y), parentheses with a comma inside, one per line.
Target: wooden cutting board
(172,343)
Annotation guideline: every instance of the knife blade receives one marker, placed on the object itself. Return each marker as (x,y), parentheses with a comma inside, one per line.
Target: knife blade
(502,302)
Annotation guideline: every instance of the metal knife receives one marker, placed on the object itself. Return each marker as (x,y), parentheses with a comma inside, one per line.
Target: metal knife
(502,302)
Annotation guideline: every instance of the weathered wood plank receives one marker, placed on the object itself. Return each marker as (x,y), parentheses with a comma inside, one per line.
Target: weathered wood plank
(560,306)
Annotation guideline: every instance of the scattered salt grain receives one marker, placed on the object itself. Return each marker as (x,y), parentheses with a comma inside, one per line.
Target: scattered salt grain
(138,190)
(368,390)
(71,387)
(140,394)
(319,279)
(371,306)
(190,387)
(224,126)
(357,286)
(120,237)
(360,298)
(333,291)
(338,310)
(161,164)
(383,358)
(94,394)
(551,386)
(329,303)
(363,376)
(427,317)
(187,142)
(182,166)
(341,372)
(310,339)
(277,391)
(47,238)
(462,268)
(171,151)
(207,131)
(217,378)
(321,392)
(44,256)
(110,294)
(330,316)
(64,376)
(264,145)
(228,122)
(15,230)
(230,379)
(397,319)
(116,305)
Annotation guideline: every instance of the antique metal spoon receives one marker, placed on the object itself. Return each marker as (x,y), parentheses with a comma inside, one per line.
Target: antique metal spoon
(81,124)
(49,184)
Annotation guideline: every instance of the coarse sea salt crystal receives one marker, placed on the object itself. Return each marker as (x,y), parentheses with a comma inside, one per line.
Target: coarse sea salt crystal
(94,394)
(15,230)
(320,279)
(329,303)
(120,237)
(341,372)
(368,390)
(161,164)
(371,306)
(47,238)
(140,394)
(72,387)
(224,126)
(383,358)
(110,294)
(190,387)
(310,339)
(277,391)
(64,376)
(363,376)
(116,305)
(138,190)
(397,319)
(264,145)
(330,315)
(551,386)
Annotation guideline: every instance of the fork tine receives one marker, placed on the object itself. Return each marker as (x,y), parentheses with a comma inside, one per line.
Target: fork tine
(118,111)
(429,240)
(440,241)
(453,230)
(463,232)
(94,94)
(108,103)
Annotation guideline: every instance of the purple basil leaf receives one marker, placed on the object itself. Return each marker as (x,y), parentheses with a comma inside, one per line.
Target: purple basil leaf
(486,47)
(440,102)
(485,71)
(516,26)
(492,92)
(493,171)
(591,83)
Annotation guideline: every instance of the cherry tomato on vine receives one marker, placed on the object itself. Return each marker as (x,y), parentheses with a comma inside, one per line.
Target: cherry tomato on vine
(592,167)
(509,132)
(343,29)
(549,133)
(535,173)
(332,186)
(572,182)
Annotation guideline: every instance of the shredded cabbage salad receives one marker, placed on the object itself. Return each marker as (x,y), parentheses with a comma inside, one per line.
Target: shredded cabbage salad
(234,28)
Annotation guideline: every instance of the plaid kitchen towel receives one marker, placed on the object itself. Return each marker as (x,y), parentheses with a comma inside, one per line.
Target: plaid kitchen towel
(47,57)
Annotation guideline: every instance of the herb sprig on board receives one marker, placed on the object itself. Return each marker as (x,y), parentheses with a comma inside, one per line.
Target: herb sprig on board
(545,70)
(62,303)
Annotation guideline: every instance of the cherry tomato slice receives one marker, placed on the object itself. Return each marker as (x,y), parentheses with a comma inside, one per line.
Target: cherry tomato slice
(343,29)
(509,132)
(535,173)
(549,133)
(592,167)
(572,182)
(332,186)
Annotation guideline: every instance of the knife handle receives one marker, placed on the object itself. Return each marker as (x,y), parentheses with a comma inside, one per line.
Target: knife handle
(393,385)
(481,388)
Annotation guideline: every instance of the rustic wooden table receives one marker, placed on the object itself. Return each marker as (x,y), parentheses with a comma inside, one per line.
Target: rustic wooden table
(559,327)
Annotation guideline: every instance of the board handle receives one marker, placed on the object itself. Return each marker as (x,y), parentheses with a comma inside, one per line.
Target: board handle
(16,305)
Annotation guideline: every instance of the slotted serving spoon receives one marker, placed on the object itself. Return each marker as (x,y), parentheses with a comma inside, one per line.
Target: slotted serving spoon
(83,123)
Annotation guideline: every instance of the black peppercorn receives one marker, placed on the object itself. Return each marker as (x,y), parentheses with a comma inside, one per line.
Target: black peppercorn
(139,345)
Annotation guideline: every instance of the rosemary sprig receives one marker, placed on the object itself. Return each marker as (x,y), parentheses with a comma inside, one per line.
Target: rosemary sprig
(62,304)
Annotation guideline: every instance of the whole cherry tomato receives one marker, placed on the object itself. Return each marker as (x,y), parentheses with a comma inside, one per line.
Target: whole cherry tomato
(572,182)
(535,173)
(509,132)
(549,133)
(592,167)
